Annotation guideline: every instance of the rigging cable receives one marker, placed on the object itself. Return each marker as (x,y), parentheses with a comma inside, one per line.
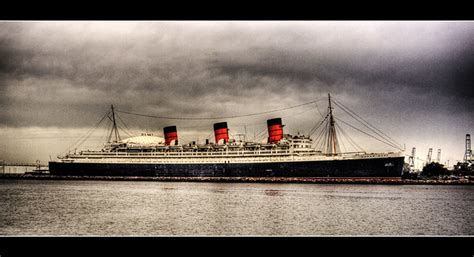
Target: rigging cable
(216,118)
(130,134)
(337,128)
(316,127)
(317,108)
(349,139)
(318,139)
(367,124)
(87,135)
(387,143)
(123,130)
(108,126)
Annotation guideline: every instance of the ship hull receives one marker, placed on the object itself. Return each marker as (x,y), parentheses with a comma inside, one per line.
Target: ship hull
(375,167)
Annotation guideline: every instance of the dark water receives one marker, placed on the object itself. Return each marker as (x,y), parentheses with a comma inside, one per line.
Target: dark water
(167,208)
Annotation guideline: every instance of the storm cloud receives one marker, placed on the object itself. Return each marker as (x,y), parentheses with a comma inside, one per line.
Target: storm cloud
(406,77)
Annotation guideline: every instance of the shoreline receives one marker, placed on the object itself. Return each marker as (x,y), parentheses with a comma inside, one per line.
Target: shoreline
(304,180)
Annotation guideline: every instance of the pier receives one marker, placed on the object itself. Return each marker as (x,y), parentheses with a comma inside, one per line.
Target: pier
(20,168)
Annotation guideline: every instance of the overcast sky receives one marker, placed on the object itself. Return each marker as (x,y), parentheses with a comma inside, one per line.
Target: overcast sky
(413,80)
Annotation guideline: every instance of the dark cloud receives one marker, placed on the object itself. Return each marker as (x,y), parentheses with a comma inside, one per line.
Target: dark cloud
(462,75)
(450,75)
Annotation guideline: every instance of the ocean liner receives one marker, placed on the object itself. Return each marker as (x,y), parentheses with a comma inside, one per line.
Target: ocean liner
(282,155)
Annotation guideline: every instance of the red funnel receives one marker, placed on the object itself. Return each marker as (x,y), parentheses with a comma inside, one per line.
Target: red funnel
(221,132)
(170,135)
(275,130)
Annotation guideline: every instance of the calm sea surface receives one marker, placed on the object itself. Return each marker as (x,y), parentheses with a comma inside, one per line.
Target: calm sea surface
(29,207)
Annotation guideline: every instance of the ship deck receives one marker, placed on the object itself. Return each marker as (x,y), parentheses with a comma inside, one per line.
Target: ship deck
(217,156)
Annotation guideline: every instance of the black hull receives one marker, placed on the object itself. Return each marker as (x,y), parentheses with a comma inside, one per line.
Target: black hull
(380,167)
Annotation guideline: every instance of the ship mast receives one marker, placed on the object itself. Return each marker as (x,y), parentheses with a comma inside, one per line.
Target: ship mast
(332,146)
(114,127)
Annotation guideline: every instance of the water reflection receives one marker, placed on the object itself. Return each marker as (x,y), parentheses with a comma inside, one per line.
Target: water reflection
(167,208)
(272,192)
